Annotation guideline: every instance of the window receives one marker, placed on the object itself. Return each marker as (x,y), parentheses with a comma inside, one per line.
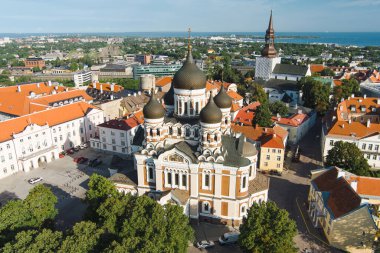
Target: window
(184,180)
(12,167)
(114,148)
(122,143)
(169,179)
(278,158)
(331,143)
(278,165)
(244,182)
(89,127)
(265,164)
(53,130)
(273,150)
(121,134)
(376,147)
(59,129)
(60,138)
(243,210)
(2,158)
(113,141)
(150,173)
(8,146)
(176,179)
(363,146)
(104,146)
(207,180)
(103,139)
(81,130)
(268,157)
(370,147)
(21,140)
(123,150)
(374,157)
(368,156)
(279,151)
(112,133)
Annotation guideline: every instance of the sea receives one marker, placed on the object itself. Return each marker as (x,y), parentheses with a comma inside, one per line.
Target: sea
(360,39)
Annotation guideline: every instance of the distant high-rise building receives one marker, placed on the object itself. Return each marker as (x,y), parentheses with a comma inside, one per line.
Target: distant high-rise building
(269,57)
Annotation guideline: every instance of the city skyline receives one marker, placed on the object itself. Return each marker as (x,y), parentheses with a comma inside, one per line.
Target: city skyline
(42,16)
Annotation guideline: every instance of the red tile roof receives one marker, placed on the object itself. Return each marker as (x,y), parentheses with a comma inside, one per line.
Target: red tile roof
(106,86)
(246,114)
(163,81)
(54,116)
(134,120)
(316,68)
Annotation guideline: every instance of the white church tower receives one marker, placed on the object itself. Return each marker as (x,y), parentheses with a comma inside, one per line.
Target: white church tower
(269,57)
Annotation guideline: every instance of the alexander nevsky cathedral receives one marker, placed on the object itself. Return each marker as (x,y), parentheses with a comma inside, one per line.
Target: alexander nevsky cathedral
(191,158)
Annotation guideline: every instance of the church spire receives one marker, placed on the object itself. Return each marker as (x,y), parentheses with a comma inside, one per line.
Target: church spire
(189,57)
(269,49)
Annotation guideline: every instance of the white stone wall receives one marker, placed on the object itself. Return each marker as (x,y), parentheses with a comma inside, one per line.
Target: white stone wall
(8,159)
(265,66)
(370,147)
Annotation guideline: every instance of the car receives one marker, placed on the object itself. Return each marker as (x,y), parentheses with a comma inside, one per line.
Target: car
(35,180)
(205,244)
(62,154)
(70,151)
(83,146)
(80,159)
(76,149)
(275,173)
(229,238)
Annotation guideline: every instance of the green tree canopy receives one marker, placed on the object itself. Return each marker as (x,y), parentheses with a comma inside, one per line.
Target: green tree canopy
(315,94)
(83,238)
(279,107)
(32,241)
(100,188)
(347,88)
(267,228)
(263,116)
(327,72)
(348,156)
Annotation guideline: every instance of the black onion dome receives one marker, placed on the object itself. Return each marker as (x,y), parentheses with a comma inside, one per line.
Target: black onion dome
(169,96)
(211,113)
(189,76)
(222,100)
(153,109)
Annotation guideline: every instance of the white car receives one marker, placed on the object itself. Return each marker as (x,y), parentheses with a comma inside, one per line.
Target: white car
(35,180)
(205,244)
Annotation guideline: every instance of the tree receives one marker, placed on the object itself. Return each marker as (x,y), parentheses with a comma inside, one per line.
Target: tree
(267,228)
(100,188)
(40,203)
(279,107)
(74,66)
(327,72)
(263,116)
(31,241)
(347,88)
(348,156)
(315,94)
(83,238)
(255,90)
(33,212)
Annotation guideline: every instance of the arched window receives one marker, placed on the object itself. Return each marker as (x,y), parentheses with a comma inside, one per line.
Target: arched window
(196,133)
(179,131)
(170,130)
(188,132)
(150,173)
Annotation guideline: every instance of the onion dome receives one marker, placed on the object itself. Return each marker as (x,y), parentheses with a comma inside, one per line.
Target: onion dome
(189,76)
(211,113)
(169,96)
(153,109)
(222,100)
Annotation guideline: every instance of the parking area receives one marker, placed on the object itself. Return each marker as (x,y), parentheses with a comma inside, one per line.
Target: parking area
(212,232)
(67,179)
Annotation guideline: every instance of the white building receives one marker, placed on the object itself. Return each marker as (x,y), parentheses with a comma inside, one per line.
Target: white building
(29,140)
(81,78)
(117,135)
(355,120)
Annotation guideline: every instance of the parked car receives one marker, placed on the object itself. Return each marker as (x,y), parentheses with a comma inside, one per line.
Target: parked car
(62,154)
(70,151)
(80,159)
(83,146)
(229,238)
(35,180)
(205,244)
(76,149)
(275,172)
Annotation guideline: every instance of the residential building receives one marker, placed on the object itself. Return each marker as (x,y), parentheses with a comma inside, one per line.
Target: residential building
(336,206)
(298,123)
(189,156)
(270,143)
(355,120)
(82,78)
(144,59)
(116,71)
(29,140)
(34,62)
(118,135)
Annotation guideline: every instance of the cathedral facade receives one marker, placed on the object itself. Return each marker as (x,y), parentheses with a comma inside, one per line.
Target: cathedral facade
(191,158)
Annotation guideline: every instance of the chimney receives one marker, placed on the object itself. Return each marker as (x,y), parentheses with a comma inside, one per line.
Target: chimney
(349,121)
(352,95)
(112,87)
(378,101)
(342,125)
(278,117)
(341,108)
(299,111)
(49,83)
(111,96)
(365,96)
(18,88)
(274,135)
(368,122)
(101,88)
(38,85)
(354,185)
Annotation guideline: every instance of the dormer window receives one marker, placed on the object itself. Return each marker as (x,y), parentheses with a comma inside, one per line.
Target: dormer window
(362,108)
(353,108)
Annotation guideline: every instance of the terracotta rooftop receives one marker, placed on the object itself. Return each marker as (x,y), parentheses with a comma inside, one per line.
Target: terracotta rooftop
(106,86)
(125,124)
(37,88)
(163,81)
(52,117)
(341,198)
(316,68)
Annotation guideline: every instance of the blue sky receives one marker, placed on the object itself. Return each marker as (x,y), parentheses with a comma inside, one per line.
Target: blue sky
(176,15)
